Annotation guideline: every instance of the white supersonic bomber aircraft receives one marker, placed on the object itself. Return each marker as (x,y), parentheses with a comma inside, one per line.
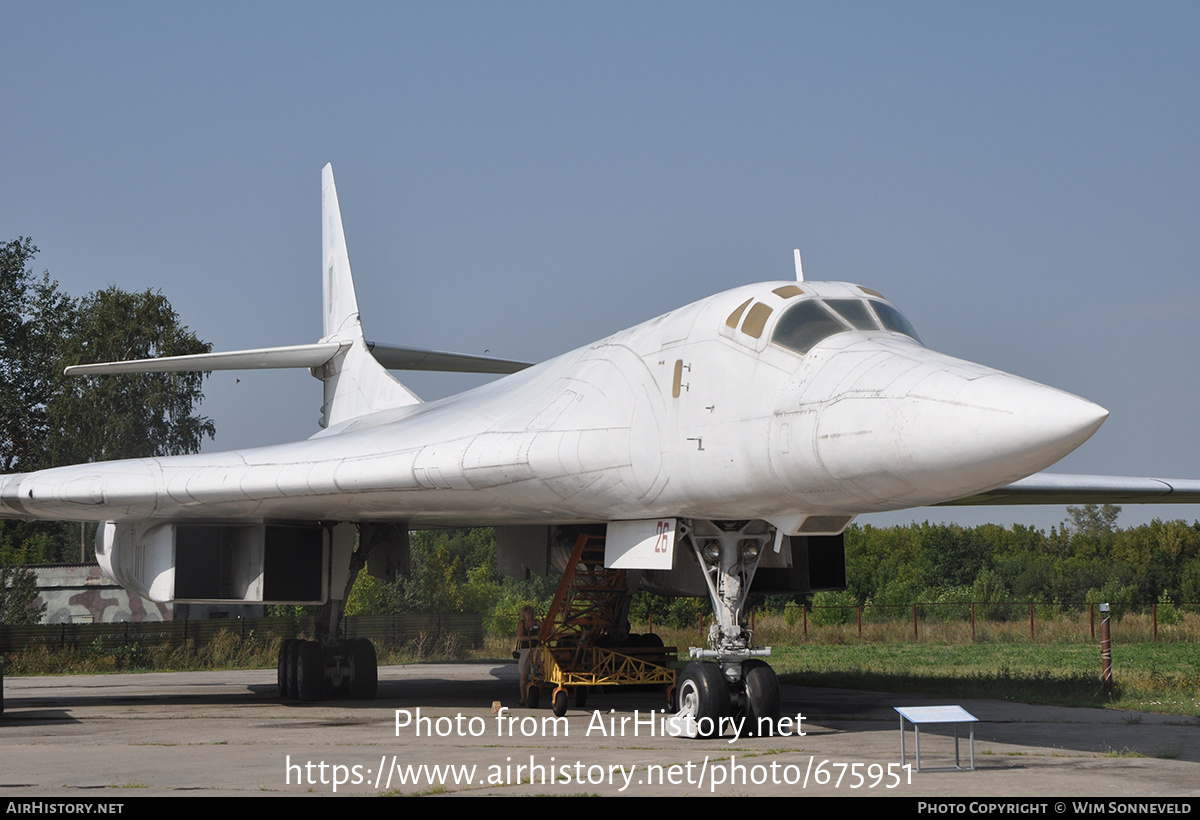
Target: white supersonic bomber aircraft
(722,448)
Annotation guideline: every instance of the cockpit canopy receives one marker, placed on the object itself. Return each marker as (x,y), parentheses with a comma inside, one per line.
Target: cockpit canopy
(804,324)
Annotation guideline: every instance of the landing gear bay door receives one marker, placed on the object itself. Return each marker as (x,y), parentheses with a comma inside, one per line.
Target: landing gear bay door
(646,544)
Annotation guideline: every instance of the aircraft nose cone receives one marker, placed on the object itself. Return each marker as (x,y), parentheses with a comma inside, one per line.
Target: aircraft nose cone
(960,429)
(1006,425)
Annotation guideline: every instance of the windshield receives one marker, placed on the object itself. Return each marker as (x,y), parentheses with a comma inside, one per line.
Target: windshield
(803,325)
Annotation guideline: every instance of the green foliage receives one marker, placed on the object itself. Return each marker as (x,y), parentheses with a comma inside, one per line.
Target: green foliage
(48,420)
(105,417)
(947,604)
(366,596)
(1092,519)
(678,613)
(453,571)
(1120,596)
(1087,559)
(833,608)
(1168,613)
(992,598)
(18,592)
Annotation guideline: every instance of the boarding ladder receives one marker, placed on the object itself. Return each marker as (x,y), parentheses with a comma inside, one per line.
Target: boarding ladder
(576,650)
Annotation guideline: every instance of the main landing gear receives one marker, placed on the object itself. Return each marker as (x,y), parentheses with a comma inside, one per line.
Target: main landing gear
(330,667)
(310,671)
(729,680)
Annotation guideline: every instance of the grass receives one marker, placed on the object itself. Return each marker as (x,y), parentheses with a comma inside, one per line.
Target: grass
(1060,666)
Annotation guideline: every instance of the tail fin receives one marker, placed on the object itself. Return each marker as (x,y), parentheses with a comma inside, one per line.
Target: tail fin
(355,383)
(341,305)
(355,371)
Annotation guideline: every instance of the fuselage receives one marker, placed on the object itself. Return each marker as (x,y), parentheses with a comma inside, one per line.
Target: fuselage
(777,401)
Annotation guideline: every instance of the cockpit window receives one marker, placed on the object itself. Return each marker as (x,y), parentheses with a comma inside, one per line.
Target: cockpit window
(855,312)
(805,324)
(894,320)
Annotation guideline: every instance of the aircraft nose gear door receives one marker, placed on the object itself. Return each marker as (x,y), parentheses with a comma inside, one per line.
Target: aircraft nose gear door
(738,684)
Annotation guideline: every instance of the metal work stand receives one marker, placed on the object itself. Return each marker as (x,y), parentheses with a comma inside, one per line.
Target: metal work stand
(918,715)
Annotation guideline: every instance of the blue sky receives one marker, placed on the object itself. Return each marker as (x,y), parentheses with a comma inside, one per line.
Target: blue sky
(1020,178)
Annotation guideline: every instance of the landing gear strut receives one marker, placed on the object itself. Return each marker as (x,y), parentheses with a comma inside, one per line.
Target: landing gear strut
(729,679)
(329,667)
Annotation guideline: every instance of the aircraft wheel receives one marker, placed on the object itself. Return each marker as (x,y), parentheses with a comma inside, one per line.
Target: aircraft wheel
(704,696)
(533,696)
(581,697)
(364,670)
(310,672)
(291,661)
(560,702)
(762,696)
(283,675)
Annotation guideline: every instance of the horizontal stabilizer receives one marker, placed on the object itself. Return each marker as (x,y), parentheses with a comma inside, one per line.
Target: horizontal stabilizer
(263,358)
(393,357)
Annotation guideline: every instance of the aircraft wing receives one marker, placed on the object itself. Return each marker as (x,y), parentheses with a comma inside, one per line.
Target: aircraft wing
(1063,488)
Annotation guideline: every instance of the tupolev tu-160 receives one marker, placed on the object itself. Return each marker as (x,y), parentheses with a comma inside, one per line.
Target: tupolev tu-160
(736,436)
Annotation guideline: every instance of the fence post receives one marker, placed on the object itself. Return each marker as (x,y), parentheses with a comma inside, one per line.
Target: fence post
(804,609)
(972,621)
(1154,618)
(1092,618)
(1106,681)
(1031,620)
(914,622)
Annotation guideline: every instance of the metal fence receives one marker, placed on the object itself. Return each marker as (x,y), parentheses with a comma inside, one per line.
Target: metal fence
(397,630)
(1152,618)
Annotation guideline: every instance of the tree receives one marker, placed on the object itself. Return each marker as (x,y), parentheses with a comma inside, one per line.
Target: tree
(18,591)
(1092,519)
(23,353)
(99,418)
(49,420)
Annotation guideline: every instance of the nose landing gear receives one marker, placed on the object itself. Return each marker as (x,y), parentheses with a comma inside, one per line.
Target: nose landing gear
(734,685)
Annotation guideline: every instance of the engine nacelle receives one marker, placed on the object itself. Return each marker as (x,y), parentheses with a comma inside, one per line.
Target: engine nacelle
(220,563)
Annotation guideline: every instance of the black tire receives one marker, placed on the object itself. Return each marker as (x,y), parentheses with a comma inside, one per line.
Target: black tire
(290,660)
(581,697)
(762,697)
(310,672)
(282,677)
(364,670)
(704,696)
(533,696)
(560,702)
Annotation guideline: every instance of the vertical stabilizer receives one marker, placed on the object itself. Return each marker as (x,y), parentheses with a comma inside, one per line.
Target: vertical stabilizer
(341,306)
(355,383)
